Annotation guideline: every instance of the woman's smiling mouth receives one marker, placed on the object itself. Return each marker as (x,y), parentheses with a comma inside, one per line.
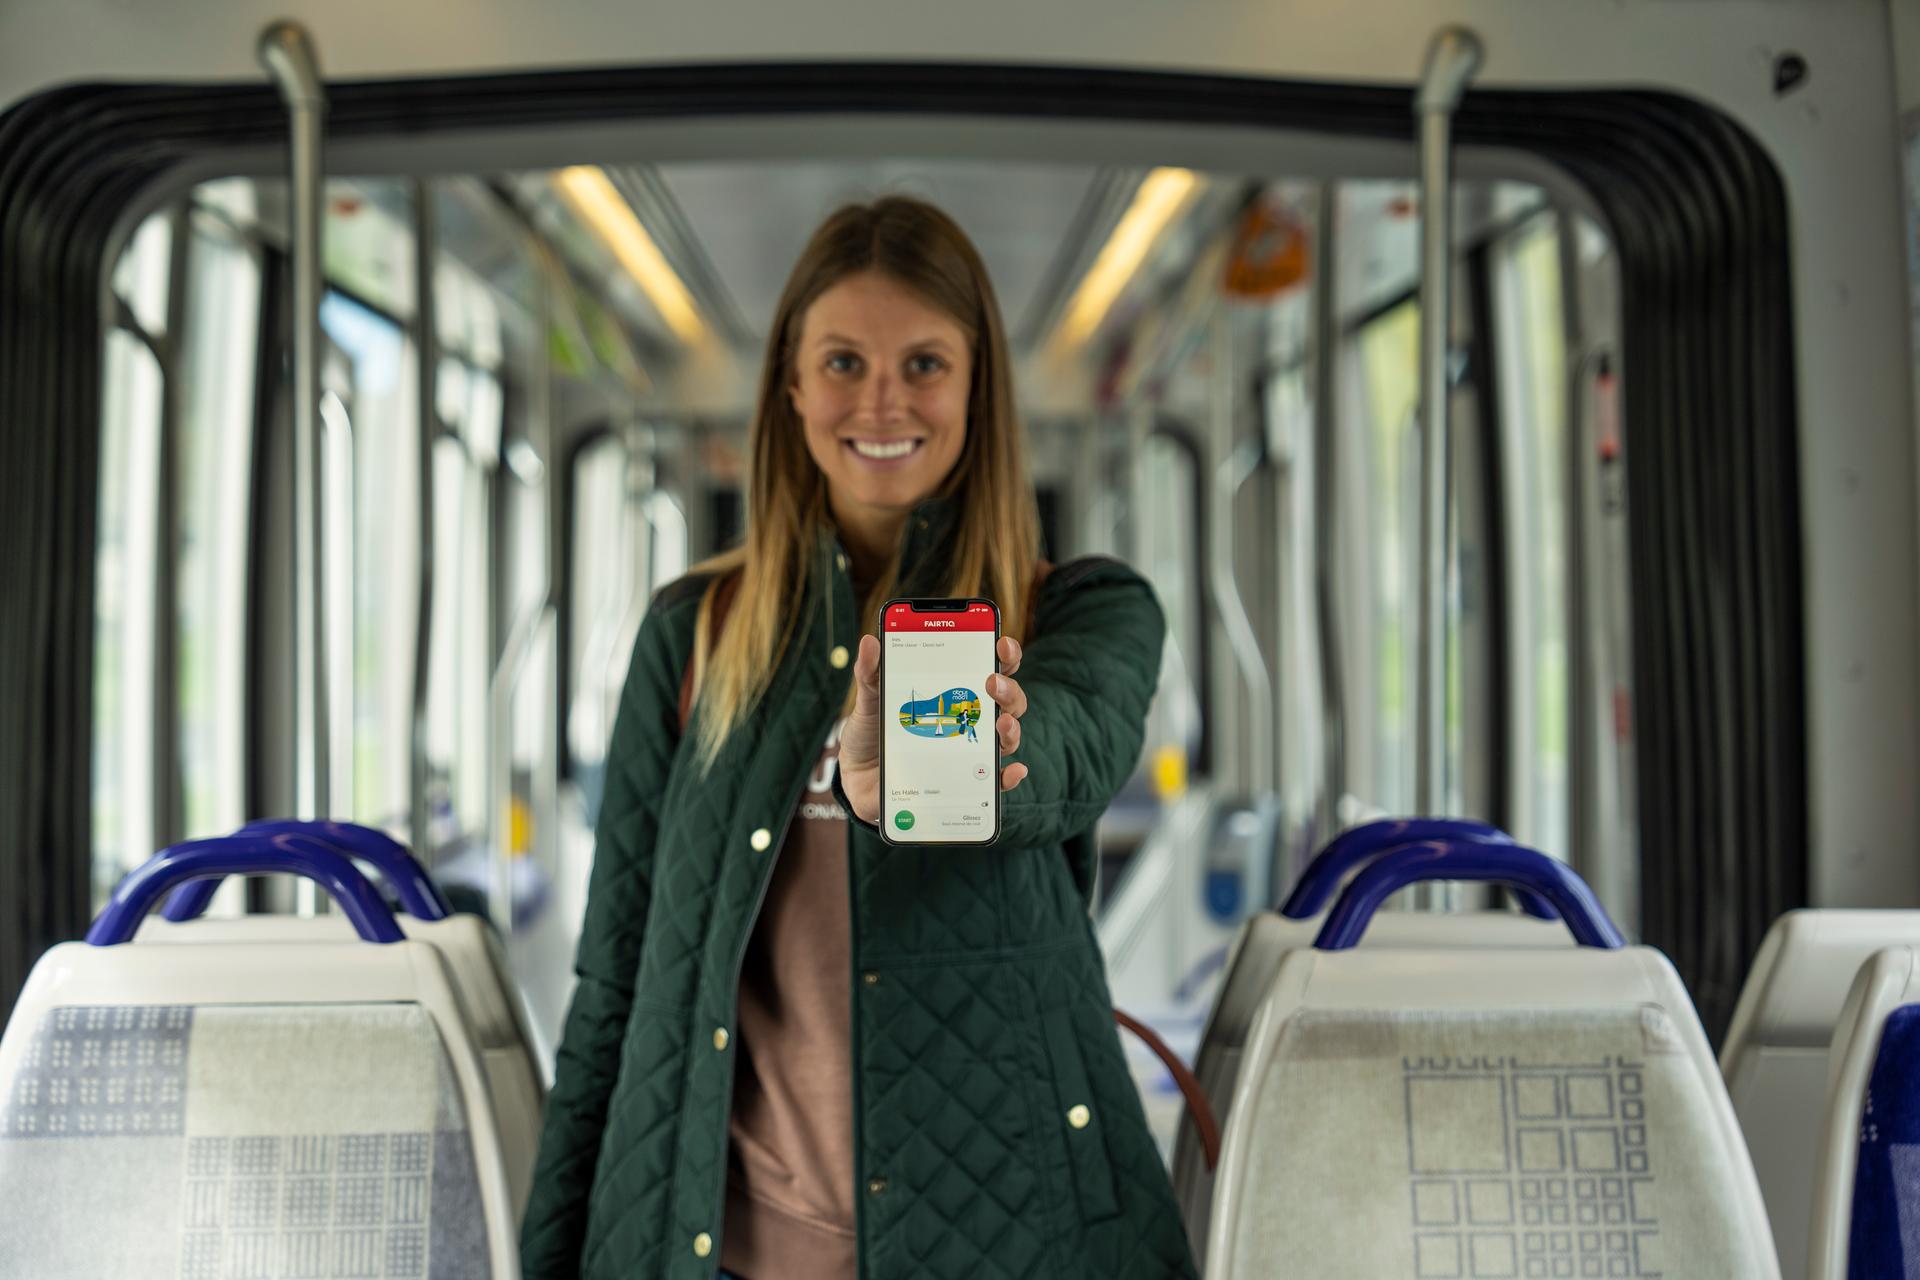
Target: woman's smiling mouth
(885,450)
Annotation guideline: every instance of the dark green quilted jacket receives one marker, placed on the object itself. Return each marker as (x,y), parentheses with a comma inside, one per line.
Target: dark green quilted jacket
(981,1021)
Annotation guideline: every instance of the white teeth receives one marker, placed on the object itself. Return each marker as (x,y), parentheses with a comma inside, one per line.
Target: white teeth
(894,449)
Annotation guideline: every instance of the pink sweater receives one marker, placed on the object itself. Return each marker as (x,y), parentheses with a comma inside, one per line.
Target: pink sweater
(790,1192)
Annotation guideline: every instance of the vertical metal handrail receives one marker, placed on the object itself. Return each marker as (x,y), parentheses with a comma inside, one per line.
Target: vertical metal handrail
(640,482)
(1452,58)
(1229,477)
(1582,803)
(1326,512)
(287,53)
(427,412)
(500,694)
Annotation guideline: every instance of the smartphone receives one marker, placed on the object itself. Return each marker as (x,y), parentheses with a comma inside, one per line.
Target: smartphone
(939,758)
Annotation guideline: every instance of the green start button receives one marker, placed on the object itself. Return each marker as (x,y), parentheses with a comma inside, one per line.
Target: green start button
(904,820)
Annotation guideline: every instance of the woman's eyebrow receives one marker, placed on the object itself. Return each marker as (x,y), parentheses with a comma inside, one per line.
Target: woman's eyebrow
(922,344)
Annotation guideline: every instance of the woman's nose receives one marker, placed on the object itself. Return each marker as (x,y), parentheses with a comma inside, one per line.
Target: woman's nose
(880,399)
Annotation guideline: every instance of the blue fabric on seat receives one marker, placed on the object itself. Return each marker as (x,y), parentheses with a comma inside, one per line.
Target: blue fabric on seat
(1885,1240)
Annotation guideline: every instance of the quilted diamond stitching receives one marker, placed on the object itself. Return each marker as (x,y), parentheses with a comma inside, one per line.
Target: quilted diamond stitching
(957,1110)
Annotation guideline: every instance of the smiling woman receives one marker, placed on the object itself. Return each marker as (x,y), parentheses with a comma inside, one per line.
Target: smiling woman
(886,459)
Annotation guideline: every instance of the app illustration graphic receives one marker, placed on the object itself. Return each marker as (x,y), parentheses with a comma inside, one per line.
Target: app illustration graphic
(950,714)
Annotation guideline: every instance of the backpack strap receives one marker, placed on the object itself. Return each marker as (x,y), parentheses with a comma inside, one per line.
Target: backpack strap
(1199,1109)
(723,594)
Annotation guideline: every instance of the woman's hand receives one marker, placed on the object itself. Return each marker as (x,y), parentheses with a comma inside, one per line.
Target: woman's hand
(860,737)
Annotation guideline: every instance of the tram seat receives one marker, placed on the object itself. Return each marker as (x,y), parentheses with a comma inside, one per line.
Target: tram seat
(1866,1193)
(1254,958)
(1481,1111)
(1776,1051)
(482,983)
(293,1108)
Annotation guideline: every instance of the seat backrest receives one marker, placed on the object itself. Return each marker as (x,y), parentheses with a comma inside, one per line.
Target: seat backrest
(1483,1112)
(1252,962)
(296,1108)
(1866,1192)
(482,984)
(1775,1055)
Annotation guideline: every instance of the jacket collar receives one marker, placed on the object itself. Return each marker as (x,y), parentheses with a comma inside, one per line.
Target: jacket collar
(924,543)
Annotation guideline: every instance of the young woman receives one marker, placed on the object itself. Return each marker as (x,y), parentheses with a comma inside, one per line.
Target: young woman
(795,1051)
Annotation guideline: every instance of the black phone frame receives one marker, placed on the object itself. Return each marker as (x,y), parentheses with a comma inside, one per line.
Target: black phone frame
(937,604)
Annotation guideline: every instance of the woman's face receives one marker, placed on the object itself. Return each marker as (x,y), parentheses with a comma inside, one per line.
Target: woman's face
(880,382)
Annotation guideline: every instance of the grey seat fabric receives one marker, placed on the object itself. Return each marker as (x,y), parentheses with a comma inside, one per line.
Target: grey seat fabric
(1775,1058)
(178,1123)
(1263,941)
(482,982)
(1407,1114)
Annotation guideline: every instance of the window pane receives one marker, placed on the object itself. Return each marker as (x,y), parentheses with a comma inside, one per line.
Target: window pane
(216,368)
(384,592)
(124,613)
(1389,354)
(1533,359)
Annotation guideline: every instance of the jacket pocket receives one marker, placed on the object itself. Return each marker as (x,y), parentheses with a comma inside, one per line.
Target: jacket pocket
(1079,1121)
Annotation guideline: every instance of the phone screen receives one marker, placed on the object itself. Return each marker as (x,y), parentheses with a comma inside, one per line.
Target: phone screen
(940,766)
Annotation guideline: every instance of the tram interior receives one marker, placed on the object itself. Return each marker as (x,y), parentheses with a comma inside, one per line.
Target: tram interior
(597,332)
(544,375)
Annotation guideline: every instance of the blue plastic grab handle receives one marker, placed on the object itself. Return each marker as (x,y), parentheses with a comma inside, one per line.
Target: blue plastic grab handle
(419,897)
(1362,844)
(244,855)
(1512,865)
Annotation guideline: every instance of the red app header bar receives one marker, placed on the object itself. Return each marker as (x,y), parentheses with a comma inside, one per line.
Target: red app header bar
(975,617)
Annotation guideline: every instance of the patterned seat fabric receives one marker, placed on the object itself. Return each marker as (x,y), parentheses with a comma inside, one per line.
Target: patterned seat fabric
(1262,943)
(1480,1145)
(998,1133)
(166,1141)
(1885,1236)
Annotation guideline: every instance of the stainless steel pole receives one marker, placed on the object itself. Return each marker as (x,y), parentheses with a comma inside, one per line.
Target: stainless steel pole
(286,51)
(1452,58)
(426,341)
(1326,512)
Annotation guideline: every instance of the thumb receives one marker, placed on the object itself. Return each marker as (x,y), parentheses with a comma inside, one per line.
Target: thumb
(866,675)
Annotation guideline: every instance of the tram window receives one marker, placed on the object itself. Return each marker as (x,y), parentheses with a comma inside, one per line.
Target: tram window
(216,367)
(459,641)
(1383,518)
(1166,551)
(125,610)
(1381,514)
(1532,359)
(605,579)
(383,517)
(140,277)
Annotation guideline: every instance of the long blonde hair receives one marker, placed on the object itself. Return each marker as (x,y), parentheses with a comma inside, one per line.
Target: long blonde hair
(996,537)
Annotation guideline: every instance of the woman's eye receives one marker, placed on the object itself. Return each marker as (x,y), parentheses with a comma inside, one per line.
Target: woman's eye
(925,365)
(843,362)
